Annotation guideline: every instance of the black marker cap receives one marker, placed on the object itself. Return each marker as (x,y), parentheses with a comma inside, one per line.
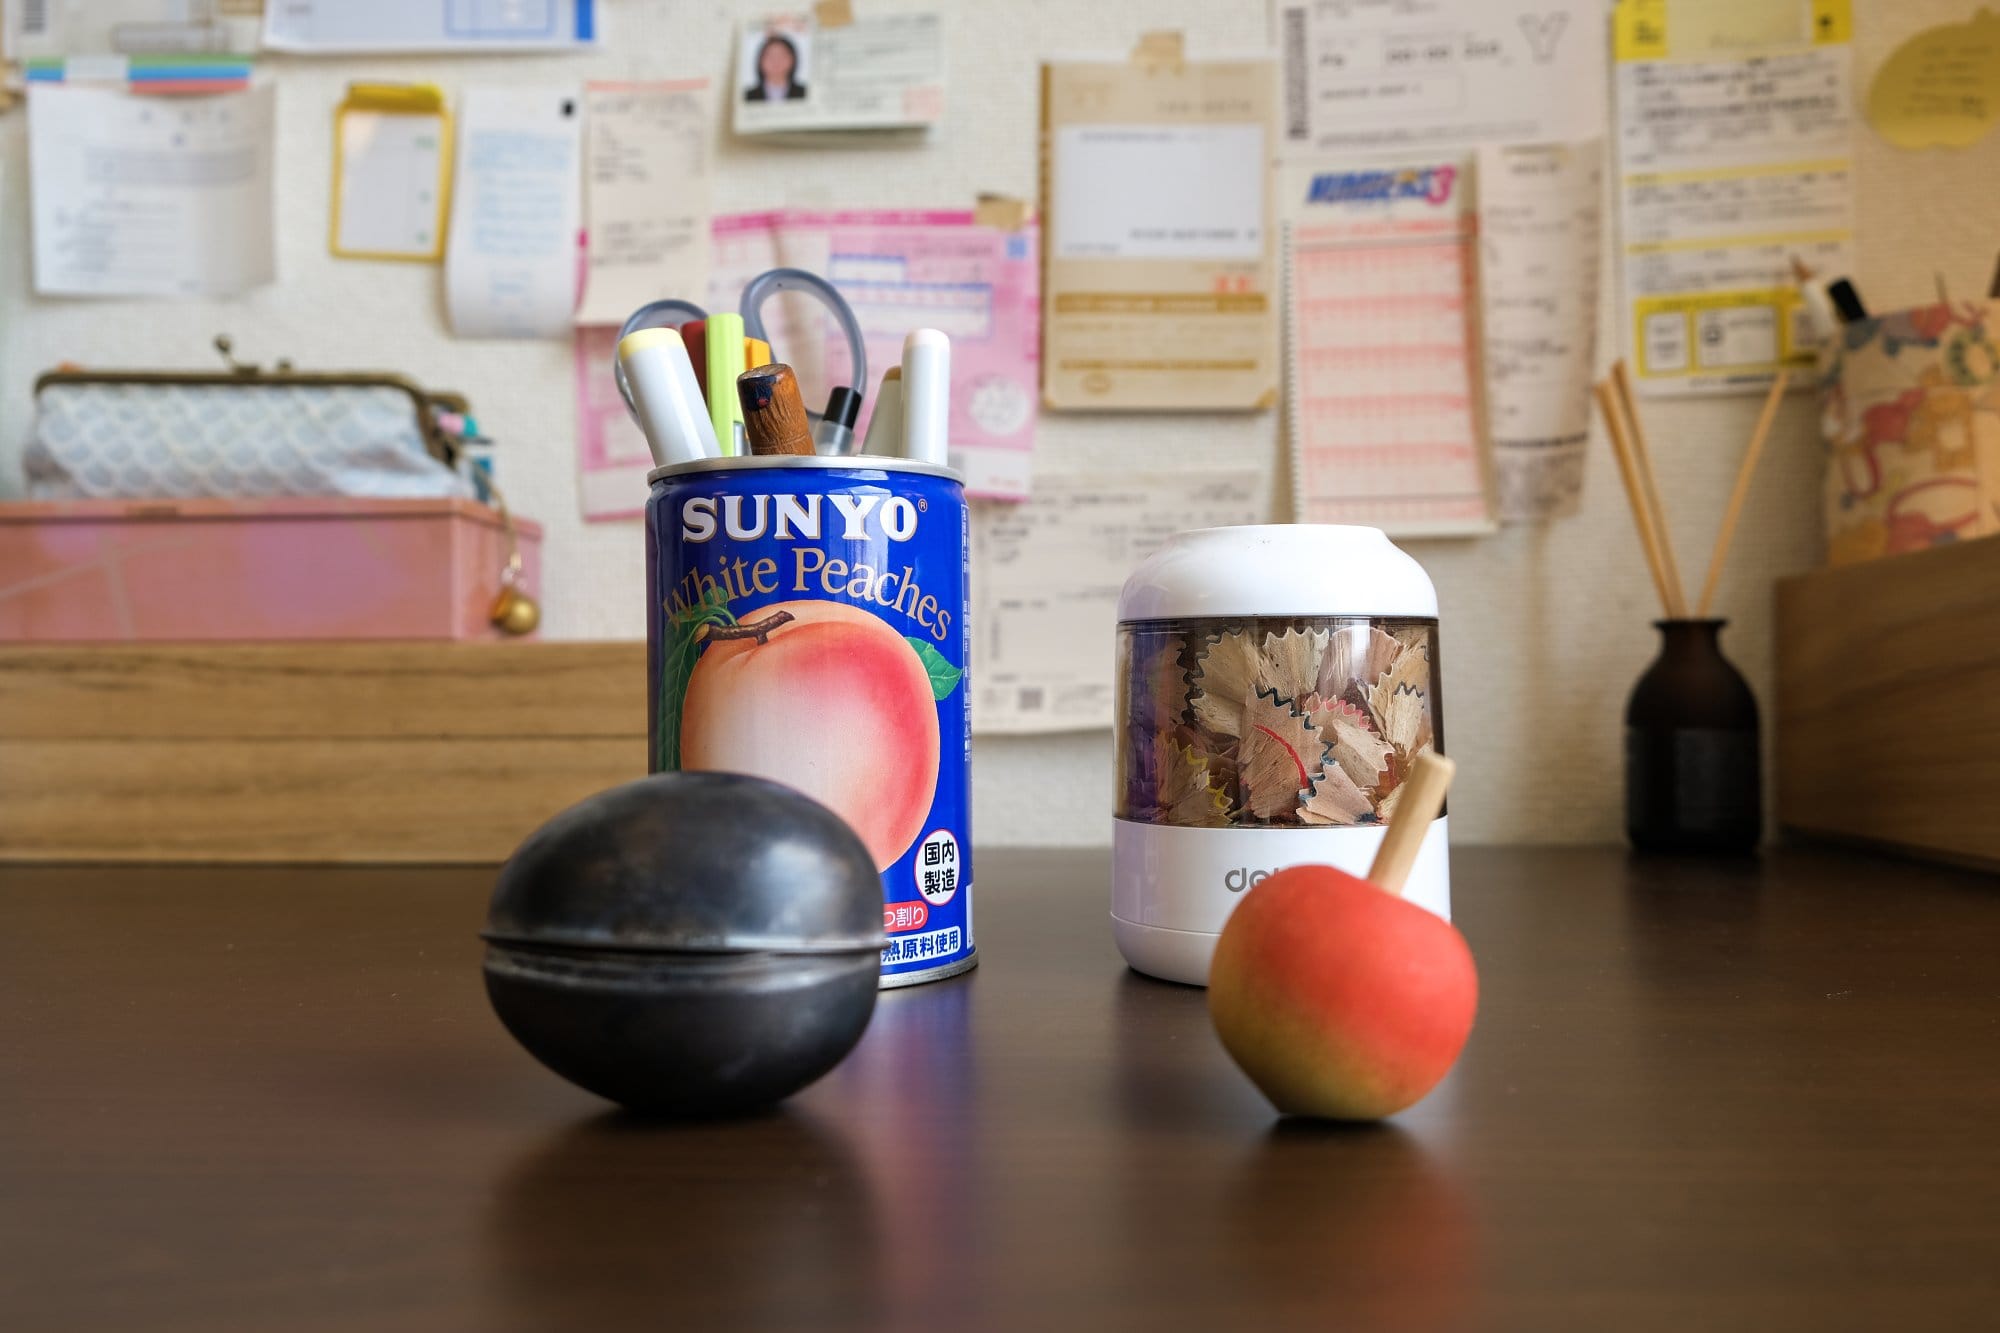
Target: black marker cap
(843,406)
(1846,301)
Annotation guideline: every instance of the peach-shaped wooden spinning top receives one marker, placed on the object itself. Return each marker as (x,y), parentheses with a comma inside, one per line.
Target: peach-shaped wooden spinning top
(1338,997)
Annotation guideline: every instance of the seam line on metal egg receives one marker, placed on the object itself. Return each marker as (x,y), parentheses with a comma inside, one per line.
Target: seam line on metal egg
(599,948)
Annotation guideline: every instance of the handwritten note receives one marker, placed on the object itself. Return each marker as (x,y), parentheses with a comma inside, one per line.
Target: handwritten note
(1384,422)
(646,189)
(1538,228)
(149,196)
(1047,577)
(510,271)
(1941,87)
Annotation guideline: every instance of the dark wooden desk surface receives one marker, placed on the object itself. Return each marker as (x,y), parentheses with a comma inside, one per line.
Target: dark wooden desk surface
(1697,1097)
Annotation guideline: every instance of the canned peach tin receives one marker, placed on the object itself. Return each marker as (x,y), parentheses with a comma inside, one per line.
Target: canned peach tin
(808,626)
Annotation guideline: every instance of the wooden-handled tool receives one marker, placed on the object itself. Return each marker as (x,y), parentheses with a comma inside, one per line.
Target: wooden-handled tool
(774,414)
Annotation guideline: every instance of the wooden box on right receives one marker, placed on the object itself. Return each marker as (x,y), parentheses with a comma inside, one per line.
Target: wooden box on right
(1888,702)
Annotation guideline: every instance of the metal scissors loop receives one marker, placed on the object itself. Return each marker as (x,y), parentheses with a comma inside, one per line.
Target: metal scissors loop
(762,287)
(672,313)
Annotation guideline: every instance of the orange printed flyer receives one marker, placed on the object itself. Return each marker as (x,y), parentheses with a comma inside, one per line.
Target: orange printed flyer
(1160,277)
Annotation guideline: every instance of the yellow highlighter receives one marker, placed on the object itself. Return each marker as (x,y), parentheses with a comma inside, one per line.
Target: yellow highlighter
(725,363)
(756,352)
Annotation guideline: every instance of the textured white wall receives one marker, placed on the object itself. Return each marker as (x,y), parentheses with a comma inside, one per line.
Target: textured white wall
(1544,629)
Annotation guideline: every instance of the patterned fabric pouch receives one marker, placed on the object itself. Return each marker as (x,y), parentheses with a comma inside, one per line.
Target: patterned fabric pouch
(244,434)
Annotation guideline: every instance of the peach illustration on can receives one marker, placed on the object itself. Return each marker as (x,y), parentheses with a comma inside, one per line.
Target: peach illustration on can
(829,699)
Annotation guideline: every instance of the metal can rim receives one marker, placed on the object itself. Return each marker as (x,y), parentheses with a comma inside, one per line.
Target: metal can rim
(805,462)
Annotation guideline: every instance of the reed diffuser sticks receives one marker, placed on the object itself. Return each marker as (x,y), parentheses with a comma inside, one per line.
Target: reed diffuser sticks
(1744,471)
(1618,403)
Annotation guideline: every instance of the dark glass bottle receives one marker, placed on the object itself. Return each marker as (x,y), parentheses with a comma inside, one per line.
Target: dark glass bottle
(1691,769)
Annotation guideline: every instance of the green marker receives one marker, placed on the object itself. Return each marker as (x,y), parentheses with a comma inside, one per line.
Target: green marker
(725,363)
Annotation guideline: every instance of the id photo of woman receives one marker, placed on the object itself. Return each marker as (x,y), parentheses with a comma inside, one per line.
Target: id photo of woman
(778,72)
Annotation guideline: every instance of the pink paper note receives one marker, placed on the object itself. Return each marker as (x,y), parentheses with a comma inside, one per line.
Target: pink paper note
(899,270)
(611,453)
(1384,422)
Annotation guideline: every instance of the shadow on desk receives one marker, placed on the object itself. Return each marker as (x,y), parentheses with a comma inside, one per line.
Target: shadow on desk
(616,1214)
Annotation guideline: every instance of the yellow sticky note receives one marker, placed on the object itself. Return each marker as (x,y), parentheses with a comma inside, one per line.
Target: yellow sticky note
(1716,29)
(1942,87)
(391,172)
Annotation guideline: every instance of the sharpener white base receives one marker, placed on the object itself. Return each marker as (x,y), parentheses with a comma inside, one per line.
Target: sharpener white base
(1172,888)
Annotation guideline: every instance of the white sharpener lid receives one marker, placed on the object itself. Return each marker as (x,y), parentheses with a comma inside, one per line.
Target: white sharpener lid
(1278,569)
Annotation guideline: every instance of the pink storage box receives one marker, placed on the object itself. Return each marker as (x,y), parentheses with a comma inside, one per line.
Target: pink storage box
(149,570)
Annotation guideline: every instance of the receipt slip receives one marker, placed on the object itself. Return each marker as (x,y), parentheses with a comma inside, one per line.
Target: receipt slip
(1159,283)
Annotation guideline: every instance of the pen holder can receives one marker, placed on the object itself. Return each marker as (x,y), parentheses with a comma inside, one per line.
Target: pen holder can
(807,625)
(1275,683)
(1911,418)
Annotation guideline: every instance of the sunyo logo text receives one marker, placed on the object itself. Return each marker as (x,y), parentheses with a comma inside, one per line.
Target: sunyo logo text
(1245,878)
(1430,184)
(788,517)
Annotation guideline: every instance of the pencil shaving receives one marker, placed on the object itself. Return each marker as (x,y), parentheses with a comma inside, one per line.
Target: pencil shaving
(1188,793)
(1293,726)
(1335,799)
(1281,752)
(1290,662)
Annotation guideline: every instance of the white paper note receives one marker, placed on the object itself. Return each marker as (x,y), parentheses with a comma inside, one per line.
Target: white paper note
(876,72)
(511,266)
(150,196)
(331,27)
(1735,130)
(1046,578)
(37,29)
(1159,192)
(645,196)
(1539,214)
(1410,77)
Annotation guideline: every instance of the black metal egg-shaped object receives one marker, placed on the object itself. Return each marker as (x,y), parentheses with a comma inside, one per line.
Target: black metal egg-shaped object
(688,944)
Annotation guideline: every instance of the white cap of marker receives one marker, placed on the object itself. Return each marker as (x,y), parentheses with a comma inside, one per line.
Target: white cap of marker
(926,396)
(667,397)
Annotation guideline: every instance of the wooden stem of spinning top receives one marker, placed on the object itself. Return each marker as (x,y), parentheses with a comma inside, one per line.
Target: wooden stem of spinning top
(1422,798)
(774,413)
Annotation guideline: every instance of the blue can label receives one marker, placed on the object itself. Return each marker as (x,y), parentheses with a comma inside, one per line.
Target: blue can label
(809,627)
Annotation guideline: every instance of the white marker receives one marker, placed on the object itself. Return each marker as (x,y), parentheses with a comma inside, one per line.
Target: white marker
(885,426)
(926,396)
(666,396)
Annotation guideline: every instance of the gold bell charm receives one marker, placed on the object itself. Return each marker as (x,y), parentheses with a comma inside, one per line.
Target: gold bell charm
(513,611)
